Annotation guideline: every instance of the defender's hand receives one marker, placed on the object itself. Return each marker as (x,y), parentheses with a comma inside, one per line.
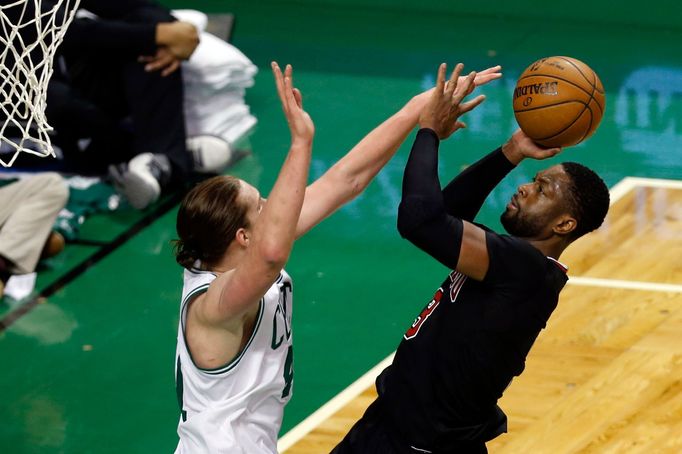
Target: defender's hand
(300,124)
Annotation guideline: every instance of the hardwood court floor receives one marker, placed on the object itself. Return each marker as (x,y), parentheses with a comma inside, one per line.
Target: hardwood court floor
(604,377)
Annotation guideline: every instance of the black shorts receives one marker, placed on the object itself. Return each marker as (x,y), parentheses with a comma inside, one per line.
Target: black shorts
(374,434)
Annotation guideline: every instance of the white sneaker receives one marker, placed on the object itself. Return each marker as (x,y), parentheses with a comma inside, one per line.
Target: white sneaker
(140,180)
(211,154)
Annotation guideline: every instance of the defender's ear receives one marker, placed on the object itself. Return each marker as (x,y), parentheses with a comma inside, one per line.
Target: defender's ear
(242,237)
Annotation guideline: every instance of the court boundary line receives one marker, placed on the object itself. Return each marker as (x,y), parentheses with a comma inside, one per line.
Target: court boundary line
(585,281)
(332,406)
(617,192)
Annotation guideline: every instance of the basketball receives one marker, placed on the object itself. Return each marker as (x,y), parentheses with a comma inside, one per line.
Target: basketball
(559,101)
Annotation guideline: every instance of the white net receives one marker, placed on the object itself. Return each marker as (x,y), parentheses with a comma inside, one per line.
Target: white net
(30,32)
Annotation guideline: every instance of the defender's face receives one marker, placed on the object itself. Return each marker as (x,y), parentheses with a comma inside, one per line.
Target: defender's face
(534,208)
(251,197)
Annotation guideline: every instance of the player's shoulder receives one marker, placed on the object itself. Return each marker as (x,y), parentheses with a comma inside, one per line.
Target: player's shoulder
(513,258)
(195,282)
(510,244)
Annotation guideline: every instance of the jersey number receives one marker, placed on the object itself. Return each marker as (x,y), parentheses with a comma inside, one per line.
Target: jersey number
(425,314)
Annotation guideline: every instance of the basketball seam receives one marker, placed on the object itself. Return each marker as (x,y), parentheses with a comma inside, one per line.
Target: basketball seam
(591,82)
(587,131)
(569,125)
(552,105)
(594,83)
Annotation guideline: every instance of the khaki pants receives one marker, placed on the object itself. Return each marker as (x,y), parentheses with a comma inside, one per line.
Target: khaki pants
(28,209)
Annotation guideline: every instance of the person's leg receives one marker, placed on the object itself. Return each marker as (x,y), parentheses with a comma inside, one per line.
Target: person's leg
(150,109)
(28,210)
(368,436)
(156,108)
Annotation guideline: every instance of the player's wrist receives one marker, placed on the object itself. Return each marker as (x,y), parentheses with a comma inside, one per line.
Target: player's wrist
(512,152)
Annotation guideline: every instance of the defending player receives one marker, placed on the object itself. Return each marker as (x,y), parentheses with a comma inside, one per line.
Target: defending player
(234,361)
(454,362)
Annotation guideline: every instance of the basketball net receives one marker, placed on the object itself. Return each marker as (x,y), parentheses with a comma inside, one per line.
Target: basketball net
(30,32)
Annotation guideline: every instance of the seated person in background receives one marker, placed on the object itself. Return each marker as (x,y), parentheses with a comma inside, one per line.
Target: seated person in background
(116,97)
(28,209)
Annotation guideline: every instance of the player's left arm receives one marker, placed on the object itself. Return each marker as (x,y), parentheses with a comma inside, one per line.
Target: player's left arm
(423,220)
(422,217)
(346,179)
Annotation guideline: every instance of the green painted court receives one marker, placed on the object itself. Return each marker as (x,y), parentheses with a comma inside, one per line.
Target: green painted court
(89,368)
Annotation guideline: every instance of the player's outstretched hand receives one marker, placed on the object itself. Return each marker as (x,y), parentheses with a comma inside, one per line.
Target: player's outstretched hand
(485,76)
(445,105)
(520,146)
(300,124)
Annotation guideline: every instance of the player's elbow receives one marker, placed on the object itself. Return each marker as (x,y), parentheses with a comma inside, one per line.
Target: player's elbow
(407,224)
(274,254)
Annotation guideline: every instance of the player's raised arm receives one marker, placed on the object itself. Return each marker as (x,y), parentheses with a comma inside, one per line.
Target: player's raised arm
(273,233)
(422,217)
(350,176)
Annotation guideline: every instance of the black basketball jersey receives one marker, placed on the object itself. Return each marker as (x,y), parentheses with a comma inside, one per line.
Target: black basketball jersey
(467,344)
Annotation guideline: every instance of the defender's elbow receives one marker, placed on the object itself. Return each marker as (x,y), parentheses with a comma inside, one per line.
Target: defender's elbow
(275,255)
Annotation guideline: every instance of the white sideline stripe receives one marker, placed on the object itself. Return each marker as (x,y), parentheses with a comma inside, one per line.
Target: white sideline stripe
(629,183)
(335,404)
(621,188)
(617,192)
(617,283)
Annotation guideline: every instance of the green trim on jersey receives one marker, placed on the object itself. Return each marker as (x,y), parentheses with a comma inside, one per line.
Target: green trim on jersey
(233,362)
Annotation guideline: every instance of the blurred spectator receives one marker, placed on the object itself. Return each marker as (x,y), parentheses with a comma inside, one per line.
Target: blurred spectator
(117,98)
(28,209)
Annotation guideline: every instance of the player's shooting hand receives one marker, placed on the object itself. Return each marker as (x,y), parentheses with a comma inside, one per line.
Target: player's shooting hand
(520,146)
(445,106)
(180,38)
(300,124)
(163,61)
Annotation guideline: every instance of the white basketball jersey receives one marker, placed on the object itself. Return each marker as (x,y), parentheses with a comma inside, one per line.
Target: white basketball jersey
(237,408)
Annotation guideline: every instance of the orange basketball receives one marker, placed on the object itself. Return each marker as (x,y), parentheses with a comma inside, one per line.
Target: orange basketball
(559,101)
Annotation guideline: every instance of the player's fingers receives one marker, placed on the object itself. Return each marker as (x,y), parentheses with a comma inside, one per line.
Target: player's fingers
(470,105)
(452,83)
(456,76)
(289,72)
(492,69)
(465,88)
(279,83)
(550,152)
(440,80)
(289,94)
(298,98)
(482,79)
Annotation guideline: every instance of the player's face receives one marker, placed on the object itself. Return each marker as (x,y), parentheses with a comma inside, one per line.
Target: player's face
(250,196)
(535,206)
